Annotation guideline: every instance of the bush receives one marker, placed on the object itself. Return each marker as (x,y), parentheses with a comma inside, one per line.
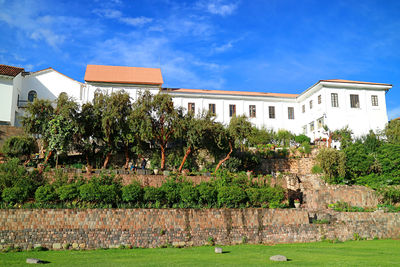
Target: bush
(207,193)
(333,163)
(390,195)
(265,195)
(231,196)
(171,189)
(153,194)
(14,194)
(133,193)
(45,193)
(90,192)
(110,194)
(233,164)
(316,169)
(301,139)
(18,146)
(189,195)
(68,192)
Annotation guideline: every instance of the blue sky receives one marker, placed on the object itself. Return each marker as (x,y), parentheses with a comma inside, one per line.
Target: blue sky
(266,45)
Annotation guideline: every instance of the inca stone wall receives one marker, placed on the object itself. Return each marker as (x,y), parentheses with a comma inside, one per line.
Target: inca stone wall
(292,165)
(104,228)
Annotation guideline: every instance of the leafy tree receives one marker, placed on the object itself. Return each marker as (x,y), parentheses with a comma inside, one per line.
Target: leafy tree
(113,111)
(37,116)
(161,121)
(392,132)
(261,136)
(301,139)
(19,146)
(195,132)
(235,134)
(344,136)
(333,162)
(284,137)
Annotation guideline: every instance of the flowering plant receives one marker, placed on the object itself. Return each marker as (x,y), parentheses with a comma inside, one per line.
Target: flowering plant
(297,201)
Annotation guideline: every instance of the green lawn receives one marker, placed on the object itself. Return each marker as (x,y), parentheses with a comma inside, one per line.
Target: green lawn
(352,253)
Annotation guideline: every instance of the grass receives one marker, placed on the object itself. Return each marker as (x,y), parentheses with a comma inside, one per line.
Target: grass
(351,253)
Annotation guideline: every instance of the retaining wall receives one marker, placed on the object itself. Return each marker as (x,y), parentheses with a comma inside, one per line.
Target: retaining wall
(95,228)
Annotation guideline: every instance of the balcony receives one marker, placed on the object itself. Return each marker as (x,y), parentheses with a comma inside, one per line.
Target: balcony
(22,103)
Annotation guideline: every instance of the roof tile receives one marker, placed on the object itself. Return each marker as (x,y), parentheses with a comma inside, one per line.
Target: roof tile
(10,70)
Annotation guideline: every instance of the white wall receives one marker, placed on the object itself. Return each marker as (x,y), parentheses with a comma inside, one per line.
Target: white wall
(7,105)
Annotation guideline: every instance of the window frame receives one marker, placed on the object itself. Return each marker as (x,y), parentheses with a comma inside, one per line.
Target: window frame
(374,100)
(311,104)
(290,113)
(303,108)
(252,111)
(271,112)
(30,93)
(334,100)
(192,107)
(354,101)
(319,99)
(211,108)
(232,110)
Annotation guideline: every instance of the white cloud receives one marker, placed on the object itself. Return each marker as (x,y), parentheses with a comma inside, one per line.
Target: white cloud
(108,13)
(394,113)
(219,7)
(139,21)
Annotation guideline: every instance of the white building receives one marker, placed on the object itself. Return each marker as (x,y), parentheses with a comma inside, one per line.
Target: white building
(335,103)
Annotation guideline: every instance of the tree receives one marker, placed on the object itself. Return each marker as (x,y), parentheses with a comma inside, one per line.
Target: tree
(20,146)
(195,132)
(284,137)
(235,134)
(392,132)
(113,111)
(61,127)
(161,121)
(37,116)
(343,136)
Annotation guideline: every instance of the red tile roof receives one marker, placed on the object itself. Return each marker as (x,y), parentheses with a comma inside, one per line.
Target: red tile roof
(223,92)
(348,81)
(10,70)
(118,74)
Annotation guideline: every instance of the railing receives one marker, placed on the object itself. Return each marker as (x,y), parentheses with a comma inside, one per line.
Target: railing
(22,103)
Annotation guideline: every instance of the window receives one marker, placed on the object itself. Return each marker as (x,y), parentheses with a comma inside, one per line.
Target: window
(312,126)
(191,107)
(232,110)
(271,110)
(310,104)
(319,99)
(211,108)
(252,111)
(305,129)
(334,100)
(290,113)
(354,101)
(320,122)
(374,100)
(32,95)
(303,108)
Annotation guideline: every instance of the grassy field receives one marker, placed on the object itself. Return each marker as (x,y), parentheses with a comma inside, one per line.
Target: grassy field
(352,253)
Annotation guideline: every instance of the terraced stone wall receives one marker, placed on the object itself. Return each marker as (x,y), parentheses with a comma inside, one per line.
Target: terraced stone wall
(105,228)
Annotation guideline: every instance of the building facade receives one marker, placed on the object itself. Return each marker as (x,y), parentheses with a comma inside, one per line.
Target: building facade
(335,103)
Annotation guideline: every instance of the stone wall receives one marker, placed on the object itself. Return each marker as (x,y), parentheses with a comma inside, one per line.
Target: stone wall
(317,195)
(106,228)
(293,165)
(7,131)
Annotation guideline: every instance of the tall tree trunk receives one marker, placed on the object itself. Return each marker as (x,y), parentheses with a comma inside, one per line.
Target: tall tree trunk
(226,158)
(162,157)
(330,140)
(107,160)
(127,159)
(88,166)
(188,150)
(45,162)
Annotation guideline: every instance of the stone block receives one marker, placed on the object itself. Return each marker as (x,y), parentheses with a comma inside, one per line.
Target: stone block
(33,261)
(82,245)
(56,246)
(37,245)
(218,250)
(278,258)
(75,245)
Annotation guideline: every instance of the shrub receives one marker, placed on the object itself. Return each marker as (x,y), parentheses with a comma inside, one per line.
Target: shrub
(231,196)
(89,192)
(207,193)
(68,192)
(110,193)
(45,193)
(189,195)
(333,162)
(171,189)
(153,194)
(18,146)
(390,195)
(265,195)
(233,164)
(14,194)
(302,139)
(316,169)
(133,193)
